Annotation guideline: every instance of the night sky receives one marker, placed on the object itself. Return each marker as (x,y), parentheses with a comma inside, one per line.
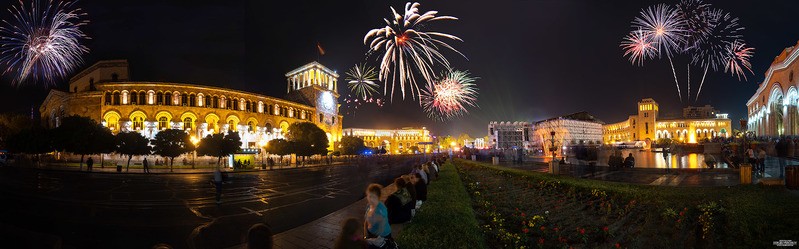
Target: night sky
(535,59)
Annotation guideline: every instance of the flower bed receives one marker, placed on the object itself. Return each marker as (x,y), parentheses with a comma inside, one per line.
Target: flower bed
(522,209)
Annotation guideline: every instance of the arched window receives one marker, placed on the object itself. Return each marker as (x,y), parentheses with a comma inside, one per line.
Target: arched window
(138,123)
(159,98)
(192,100)
(248,106)
(228,104)
(163,123)
(134,98)
(108,99)
(142,98)
(207,101)
(188,123)
(235,105)
(116,98)
(250,126)
(114,77)
(268,128)
(216,102)
(184,99)
(231,125)
(168,98)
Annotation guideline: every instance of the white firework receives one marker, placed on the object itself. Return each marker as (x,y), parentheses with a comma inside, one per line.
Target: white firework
(42,41)
(407,48)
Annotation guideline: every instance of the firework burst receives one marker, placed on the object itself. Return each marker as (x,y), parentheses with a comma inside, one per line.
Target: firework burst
(450,96)
(407,47)
(42,41)
(361,80)
(638,46)
(664,26)
(737,58)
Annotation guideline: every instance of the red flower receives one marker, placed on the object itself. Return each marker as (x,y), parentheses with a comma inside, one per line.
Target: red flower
(679,220)
(582,230)
(617,245)
(543,228)
(682,213)
(605,229)
(523,215)
(525,230)
(556,229)
(541,241)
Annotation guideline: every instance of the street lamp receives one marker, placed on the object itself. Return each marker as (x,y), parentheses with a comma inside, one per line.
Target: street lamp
(195,141)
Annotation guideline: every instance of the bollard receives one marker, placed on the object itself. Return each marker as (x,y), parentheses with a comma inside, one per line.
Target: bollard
(495,160)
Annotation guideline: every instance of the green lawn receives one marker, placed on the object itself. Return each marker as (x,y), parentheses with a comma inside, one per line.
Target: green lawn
(446,220)
(744,216)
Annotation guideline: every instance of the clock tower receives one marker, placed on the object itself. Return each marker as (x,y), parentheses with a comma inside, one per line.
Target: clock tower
(316,85)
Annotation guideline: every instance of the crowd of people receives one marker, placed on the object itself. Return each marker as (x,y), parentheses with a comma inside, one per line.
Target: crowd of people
(384,220)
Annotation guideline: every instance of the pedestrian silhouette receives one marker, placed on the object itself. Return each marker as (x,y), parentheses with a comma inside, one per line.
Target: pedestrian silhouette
(89,163)
(146,166)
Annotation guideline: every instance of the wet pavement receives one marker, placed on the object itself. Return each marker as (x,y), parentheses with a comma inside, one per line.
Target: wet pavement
(97,210)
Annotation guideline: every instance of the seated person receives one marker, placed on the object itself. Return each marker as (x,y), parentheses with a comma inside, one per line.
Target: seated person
(399,204)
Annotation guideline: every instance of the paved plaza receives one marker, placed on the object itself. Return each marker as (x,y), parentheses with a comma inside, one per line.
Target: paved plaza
(104,210)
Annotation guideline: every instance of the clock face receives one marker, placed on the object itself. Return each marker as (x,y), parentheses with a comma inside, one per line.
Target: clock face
(327,102)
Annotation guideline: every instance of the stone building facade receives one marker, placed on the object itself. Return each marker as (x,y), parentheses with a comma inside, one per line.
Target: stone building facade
(773,110)
(697,123)
(397,141)
(104,93)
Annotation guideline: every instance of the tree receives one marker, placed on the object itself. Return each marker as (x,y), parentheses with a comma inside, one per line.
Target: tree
(279,147)
(219,145)
(463,138)
(132,144)
(35,140)
(11,124)
(82,136)
(172,143)
(351,145)
(307,139)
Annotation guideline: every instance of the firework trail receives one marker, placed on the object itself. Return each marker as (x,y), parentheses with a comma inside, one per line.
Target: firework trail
(450,96)
(407,47)
(42,41)
(361,80)
(712,51)
(666,29)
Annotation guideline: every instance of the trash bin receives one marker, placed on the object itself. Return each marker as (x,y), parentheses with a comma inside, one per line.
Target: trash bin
(263,166)
(554,167)
(746,173)
(792,177)
(474,157)
(495,160)
(119,168)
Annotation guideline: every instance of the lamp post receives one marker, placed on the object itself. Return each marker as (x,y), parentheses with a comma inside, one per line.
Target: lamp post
(194,141)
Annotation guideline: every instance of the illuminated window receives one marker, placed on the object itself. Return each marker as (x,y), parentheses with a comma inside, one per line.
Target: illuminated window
(250,126)
(188,123)
(162,123)
(231,125)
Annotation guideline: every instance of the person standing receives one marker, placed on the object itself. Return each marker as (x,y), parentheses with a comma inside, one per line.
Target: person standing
(629,162)
(218,185)
(89,163)
(146,165)
(761,160)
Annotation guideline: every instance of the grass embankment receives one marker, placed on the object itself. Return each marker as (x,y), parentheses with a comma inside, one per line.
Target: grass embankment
(519,208)
(447,219)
